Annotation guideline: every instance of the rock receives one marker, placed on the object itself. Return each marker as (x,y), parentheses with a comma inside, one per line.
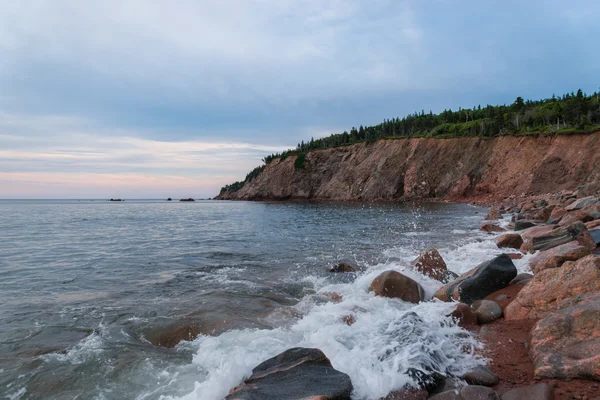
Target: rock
(464,315)
(556,215)
(169,199)
(592,209)
(306,373)
(394,284)
(541,391)
(574,217)
(479,282)
(448,384)
(595,235)
(544,213)
(407,394)
(472,392)
(522,279)
(583,202)
(539,230)
(188,199)
(550,287)
(116,200)
(510,240)
(491,227)
(493,214)
(561,235)
(524,224)
(566,344)
(486,311)
(592,224)
(431,264)
(515,256)
(342,267)
(556,256)
(481,375)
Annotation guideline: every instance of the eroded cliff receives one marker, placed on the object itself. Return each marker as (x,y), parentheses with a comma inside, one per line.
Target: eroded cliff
(460,168)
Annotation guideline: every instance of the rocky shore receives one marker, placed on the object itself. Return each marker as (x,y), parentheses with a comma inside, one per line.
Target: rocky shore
(541,331)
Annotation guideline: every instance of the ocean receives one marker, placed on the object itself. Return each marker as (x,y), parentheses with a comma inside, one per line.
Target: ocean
(95,295)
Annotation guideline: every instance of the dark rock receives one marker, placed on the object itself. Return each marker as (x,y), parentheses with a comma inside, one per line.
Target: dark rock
(188,199)
(448,384)
(465,316)
(486,311)
(479,282)
(431,264)
(305,373)
(522,278)
(595,235)
(556,256)
(510,240)
(116,200)
(169,199)
(342,267)
(541,391)
(394,284)
(524,224)
(481,375)
(427,380)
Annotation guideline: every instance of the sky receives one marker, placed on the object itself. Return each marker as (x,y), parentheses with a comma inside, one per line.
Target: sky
(156,99)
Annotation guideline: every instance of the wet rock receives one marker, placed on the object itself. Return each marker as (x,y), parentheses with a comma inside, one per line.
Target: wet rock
(561,235)
(510,240)
(515,256)
(481,375)
(307,373)
(464,315)
(574,217)
(448,384)
(555,257)
(394,284)
(479,282)
(491,227)
(524,224)
(583,202)
(541,391)
(565,344)
(427,380)
(342,267)
(408,394)
(523,278)
(188,199)
(431,264)
(486,311)
(550,287)
(472,392)
(493,214)
(171,334)
(556,215)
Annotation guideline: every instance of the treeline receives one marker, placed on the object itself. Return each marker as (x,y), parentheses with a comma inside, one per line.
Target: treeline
(571,113)
(235,186)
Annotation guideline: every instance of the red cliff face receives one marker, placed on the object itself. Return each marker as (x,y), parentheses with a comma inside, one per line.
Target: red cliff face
(461,168)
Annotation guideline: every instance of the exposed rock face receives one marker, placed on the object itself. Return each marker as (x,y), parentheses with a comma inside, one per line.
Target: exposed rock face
(556,256)
(394,284)
(550,287)
(511,240)
(306,373)
(566,344)
(479,282)
(431,264)
(401,169)
(342,267)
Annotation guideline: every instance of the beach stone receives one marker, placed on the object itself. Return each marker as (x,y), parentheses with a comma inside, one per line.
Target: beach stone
(486,311)
(342,267)
(491,227)
(431,264)
(580,203)
(493,214)
(522,278)
(305,372)
(394,284)
(548,288)
(472,392)
(479,282)
(574,217)
(407,394)
(510,240)
(524,224)
(565,344)
(556,215)
(481,375)
(561,235)
(556,256)
(465,316)
(541,391)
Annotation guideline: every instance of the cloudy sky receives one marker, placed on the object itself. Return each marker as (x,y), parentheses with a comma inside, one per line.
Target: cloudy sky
(154,99)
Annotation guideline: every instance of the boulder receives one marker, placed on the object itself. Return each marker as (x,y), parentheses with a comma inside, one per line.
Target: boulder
(481,375)
(479,282)
(575,216)
(169,199)
(491,227)
(592,224)
(493,214)
(550,287)
(306,373)
(524,224)
(472,392)
(342,267)
(539,230)
(595,235)
(541,391)
(464,316)
(510,240)
(486,311)
(561,235)
(565,344)
(556,215)
(580,203)
(394,284)
(544,213)
(556,256)
(521,279)
(431,264)
(592,209)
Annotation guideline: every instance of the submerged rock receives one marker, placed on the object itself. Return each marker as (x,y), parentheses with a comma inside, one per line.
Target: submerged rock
(479,282)
(305,373)
(394,284)
(491,227)
(342,267)
(431,264)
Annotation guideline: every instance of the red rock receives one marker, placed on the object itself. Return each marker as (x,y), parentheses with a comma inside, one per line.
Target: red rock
(592,208)
(511,240)
(556,215)
(574,217)
(556,256)
(580,203)
(539,230)
(464,315)
(515,256)
(394,284)
(561,235)
(550,287)
(544,213)
(493,214)
(491,227)
(342,267)
(592,224)
(566,344)
(431,264)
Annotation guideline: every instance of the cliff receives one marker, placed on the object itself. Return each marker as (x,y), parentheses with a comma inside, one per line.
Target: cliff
(457,169)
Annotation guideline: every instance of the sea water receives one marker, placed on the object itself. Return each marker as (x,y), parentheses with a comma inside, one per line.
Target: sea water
(92,294)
